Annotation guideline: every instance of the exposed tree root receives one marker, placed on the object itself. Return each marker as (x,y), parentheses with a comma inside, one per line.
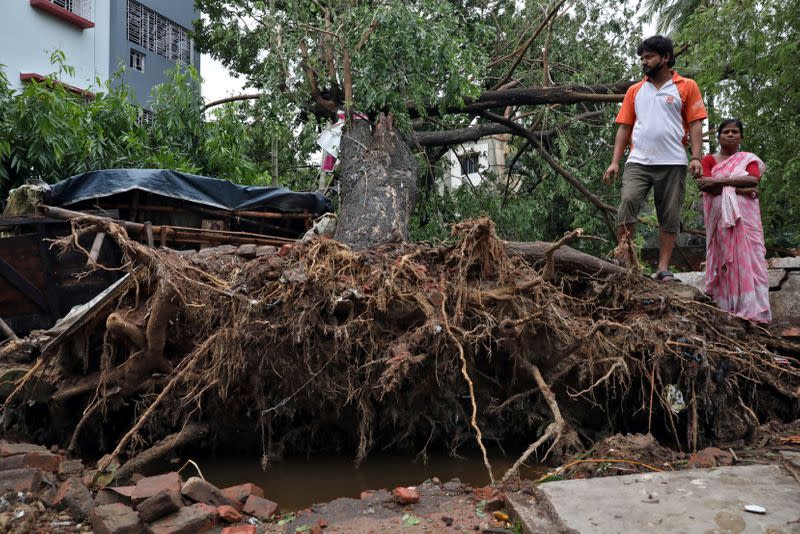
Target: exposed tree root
(407,347)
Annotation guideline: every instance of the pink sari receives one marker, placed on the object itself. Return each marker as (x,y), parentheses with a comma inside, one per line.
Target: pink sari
(736,266)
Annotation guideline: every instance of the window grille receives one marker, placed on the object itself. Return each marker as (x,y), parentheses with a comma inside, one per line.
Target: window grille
(469,163)
(137,60)
(158,34)
(144,117)
(82,8)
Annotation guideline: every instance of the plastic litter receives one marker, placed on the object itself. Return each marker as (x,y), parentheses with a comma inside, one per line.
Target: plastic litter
(674,398)
(755,509)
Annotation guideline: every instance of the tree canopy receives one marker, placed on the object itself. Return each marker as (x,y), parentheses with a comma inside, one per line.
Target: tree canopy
(544,73)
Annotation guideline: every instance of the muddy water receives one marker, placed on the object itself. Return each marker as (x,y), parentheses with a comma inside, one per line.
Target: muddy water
(298,483)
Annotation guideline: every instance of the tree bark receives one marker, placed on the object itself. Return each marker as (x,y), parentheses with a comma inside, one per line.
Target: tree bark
(378,185)
(565,259)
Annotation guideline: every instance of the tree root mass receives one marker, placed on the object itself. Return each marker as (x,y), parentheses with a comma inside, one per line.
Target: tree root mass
(402,347)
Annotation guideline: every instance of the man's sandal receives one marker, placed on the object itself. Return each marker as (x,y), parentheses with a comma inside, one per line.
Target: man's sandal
(664,276)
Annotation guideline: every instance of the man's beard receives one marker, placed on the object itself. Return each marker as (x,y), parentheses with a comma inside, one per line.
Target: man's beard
(652,72)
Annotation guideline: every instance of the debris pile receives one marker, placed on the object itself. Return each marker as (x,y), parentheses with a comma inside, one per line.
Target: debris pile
(44,492)
(315,346)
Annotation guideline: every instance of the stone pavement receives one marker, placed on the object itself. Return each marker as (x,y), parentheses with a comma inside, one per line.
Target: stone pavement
(694,501)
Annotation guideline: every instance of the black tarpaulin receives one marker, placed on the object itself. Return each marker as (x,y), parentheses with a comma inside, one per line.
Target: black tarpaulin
(213,192)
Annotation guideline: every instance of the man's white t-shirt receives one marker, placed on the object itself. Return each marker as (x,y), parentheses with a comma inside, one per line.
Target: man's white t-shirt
(660,119)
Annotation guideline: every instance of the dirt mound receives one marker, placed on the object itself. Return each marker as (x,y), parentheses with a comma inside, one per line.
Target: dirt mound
(403,346)
(621,455)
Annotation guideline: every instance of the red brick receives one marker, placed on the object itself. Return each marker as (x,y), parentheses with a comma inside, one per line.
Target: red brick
(109,495)
(260,507)
(229,513)
(70,467)
(405,495)
(192,519)
(75,498)
(199,490)
(149,486)
(115,519)
(46,461)
(24,480)
(240,529)
(241,492)
(710,457)
(159,505)
(791,331)
(12,449)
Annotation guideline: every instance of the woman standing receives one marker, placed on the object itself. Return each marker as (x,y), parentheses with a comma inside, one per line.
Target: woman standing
(736,266)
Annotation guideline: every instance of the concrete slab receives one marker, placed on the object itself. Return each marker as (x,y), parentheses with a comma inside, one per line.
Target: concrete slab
(696,279)
(694,501)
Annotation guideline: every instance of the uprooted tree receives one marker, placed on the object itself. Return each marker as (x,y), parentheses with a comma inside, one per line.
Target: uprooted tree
(445,71)
(398,347)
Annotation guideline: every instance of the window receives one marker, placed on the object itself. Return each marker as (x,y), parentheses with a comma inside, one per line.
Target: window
(469,163)
(82,8)
(144,117)
(158,34)
(137,60)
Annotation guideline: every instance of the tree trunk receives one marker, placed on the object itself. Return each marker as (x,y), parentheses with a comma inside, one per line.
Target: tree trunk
(378,185)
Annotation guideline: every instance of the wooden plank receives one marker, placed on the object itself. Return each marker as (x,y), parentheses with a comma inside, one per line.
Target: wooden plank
(198,235)
(134,213)
(101,302)
(22,284)
(96,245)
(51,284)
(148,232)
(7,330)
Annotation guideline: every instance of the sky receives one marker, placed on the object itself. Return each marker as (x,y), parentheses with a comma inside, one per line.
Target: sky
(217,81)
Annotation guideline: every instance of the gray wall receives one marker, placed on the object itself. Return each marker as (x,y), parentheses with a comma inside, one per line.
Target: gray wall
(182,12)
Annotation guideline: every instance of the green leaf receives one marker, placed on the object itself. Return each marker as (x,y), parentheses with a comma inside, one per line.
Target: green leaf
(410,520)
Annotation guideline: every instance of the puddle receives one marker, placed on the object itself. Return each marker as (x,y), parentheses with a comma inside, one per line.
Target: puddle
(297,483)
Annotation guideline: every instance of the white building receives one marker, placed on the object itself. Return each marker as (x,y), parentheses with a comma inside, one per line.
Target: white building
(470,162)
(144,38)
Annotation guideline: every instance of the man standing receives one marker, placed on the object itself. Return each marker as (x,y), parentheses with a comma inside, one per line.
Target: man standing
(657,115)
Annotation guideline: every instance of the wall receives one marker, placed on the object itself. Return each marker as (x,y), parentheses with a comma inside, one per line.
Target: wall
(182,12)
(784,290)
(28,36)
(491,157)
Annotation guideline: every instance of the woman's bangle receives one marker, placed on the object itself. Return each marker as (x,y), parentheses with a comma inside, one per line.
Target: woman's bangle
(695,157)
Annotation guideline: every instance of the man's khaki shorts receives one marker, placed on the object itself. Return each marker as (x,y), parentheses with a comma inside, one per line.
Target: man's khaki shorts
(669,188)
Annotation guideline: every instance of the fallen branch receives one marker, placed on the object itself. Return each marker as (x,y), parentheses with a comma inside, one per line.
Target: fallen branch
(188,434)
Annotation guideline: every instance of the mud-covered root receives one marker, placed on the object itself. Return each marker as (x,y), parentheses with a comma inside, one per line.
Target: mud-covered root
(410,347)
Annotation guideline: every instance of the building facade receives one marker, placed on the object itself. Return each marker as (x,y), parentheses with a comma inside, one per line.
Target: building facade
(469,162)
(139,39)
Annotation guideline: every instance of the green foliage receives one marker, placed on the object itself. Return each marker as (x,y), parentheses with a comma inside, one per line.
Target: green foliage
(50,133)
(745,56)
(590,43)
(400,50)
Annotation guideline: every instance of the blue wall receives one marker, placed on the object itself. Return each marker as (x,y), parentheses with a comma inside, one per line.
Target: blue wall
(182,12)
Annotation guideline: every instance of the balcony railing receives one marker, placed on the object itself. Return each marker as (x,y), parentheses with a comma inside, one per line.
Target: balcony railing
(82,8)
(77,12)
